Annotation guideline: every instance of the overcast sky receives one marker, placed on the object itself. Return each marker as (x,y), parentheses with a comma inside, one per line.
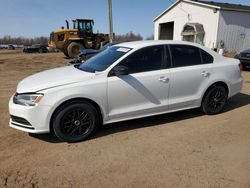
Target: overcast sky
(32,18)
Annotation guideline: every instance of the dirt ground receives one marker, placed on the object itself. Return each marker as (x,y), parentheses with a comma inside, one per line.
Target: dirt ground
(183,149)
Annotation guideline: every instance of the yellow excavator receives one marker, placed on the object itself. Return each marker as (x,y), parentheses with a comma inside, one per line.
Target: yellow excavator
(81,36)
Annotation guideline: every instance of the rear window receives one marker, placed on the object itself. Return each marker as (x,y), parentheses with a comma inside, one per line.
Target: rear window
(206,57)
(185,55)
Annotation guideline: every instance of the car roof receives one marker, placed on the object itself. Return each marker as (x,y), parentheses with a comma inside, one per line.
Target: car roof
(246,50)
(141,44)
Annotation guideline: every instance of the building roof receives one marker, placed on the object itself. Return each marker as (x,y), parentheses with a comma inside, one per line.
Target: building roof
(229,6)
(209,4)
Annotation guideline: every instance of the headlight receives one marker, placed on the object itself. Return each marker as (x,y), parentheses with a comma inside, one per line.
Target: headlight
(27,99)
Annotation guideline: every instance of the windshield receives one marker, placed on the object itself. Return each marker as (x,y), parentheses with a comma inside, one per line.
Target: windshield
(104,59)
(35,45)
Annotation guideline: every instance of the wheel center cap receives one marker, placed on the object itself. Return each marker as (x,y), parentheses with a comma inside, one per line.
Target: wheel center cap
(77,122)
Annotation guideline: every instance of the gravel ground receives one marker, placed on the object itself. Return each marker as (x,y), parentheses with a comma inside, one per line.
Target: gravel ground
(183,149)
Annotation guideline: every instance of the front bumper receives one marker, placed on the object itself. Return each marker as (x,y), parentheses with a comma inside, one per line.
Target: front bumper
(32,119)
(245,62)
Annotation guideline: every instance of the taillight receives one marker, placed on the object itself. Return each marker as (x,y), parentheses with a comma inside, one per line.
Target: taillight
(240,66)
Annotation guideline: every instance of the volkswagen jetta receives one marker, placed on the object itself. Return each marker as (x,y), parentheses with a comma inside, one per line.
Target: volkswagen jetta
(126,81)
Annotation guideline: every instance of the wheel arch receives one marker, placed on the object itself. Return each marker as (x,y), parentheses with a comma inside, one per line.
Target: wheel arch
(71,101)
(221,83)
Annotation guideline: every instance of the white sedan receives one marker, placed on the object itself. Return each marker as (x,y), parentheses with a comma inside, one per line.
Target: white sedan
(126,81)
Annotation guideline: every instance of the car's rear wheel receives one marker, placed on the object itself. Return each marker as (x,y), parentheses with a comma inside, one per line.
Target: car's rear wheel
(214,100)
(76,122)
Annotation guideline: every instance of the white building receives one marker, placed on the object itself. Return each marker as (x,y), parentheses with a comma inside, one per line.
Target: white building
(213,24)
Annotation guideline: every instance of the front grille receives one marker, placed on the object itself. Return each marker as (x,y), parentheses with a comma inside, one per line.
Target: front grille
(245,61)
(60,37)
(20,120)
(245,55)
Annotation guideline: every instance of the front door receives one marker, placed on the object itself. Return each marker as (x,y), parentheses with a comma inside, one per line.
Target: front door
(144,90)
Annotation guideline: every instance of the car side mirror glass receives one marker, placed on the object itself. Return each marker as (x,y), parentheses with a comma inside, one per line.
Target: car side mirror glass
(120,70)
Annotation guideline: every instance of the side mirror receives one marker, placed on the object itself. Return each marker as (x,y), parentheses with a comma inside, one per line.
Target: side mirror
(120,70)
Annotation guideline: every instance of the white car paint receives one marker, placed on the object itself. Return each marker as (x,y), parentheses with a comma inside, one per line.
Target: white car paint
(125,97)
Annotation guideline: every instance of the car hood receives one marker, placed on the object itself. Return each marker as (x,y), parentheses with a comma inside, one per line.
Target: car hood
(88,51)
(246,51)
(52,78)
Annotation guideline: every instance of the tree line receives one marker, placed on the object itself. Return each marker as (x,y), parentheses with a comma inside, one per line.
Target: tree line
(44,40)
(128,37)
(23,41)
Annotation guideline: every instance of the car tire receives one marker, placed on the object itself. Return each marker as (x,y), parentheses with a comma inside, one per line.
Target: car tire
(66,54)
(74,49)
(214,100)
(40,50)
(76,122)
(245,67)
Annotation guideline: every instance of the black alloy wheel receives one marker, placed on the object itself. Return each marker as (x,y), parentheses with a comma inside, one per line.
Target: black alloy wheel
(215,100)
(76,122)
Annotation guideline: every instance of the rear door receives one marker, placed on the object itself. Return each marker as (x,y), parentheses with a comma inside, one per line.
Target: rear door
(189,76)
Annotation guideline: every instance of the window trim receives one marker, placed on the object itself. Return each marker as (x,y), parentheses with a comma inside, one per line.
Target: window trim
(167,57)
(164,64)
(200,52)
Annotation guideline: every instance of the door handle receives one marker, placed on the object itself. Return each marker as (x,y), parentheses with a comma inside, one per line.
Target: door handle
(205,73)
(164,79)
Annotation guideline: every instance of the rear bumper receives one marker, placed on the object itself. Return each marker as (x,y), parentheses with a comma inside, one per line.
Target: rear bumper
(236,87)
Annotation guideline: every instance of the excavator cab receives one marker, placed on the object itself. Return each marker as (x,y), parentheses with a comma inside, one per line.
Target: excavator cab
(83,25)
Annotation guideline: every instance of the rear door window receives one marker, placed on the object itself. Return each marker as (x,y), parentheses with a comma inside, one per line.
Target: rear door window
(185,55)
(206,57)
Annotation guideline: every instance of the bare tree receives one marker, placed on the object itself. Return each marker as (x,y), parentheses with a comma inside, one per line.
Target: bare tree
(44,40)
(23,41)
(151,37)
(128,37)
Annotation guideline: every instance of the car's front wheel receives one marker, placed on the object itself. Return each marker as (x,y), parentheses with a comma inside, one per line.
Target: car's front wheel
(76,122)
(214,100)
